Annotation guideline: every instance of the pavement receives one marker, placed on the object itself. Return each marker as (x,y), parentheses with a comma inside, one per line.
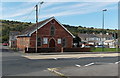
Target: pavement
(38,56)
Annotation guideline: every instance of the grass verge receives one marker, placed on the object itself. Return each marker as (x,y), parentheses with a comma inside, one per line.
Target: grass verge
(105,50)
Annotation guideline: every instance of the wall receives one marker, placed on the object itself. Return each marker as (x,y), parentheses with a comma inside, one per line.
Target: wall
(23,42)
(60,32)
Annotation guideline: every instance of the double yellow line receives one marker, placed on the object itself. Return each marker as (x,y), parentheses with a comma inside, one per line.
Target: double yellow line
(55,70)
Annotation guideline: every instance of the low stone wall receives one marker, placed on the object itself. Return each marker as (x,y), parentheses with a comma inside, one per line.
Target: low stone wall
(39,50)
(49,50)
(77,49)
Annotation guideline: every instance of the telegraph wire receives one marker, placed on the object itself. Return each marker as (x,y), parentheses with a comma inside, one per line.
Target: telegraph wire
(29,14)
(33,10)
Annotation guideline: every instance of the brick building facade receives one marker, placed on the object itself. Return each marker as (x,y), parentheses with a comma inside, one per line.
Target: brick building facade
(51,34)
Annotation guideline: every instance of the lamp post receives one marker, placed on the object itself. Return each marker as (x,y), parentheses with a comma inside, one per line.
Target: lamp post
(37,24)
(103,29)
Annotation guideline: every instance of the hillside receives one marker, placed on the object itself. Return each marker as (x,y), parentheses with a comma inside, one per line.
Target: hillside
(8,26)
(80,29)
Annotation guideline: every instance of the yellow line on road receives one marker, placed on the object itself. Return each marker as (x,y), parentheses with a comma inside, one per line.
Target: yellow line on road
(54,70)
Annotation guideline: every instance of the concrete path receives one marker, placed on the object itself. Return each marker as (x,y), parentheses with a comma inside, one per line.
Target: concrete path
(29,56)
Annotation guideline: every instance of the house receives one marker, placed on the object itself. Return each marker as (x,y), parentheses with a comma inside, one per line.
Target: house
(51,34)
(95,39)
(13,39)
(110,43)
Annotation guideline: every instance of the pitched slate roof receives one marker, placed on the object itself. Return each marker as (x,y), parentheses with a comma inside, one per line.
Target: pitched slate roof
(33,27)
(28,31)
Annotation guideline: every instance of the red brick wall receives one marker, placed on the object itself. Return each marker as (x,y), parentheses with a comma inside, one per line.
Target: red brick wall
(60,32)
(23,42)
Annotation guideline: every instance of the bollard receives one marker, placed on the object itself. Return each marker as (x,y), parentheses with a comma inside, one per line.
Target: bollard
(27,48)
(61,49)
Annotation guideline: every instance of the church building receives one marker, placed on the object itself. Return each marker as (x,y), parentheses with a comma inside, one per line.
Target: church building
(51,34)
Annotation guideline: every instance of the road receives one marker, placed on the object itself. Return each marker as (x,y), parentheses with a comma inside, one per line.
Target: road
(14,64)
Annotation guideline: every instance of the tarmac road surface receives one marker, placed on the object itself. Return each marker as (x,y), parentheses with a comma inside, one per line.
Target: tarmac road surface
(14,64)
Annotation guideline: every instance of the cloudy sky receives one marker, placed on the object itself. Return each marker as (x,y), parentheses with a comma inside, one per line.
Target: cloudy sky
(78,13)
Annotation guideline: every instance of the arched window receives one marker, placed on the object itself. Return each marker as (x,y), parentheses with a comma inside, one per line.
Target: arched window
(39,41)
(52,33)
(64,42)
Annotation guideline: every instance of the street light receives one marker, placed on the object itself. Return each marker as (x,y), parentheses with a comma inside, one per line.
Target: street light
(103,29)
(37,22)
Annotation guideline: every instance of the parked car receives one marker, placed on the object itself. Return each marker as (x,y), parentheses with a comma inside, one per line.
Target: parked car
(5,44)
(87,46)
(99,46)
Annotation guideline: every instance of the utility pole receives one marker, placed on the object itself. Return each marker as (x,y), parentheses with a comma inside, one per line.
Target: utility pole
(36,25)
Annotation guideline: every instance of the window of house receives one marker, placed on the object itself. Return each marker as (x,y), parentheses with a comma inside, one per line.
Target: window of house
(52,33)
(45,40)
(59,41)
(63,42)
(39,41)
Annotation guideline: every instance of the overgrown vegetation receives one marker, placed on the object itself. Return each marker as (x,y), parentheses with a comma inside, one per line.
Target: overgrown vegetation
(8,26)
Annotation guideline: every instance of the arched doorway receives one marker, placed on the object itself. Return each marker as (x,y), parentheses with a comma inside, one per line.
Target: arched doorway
(52,43)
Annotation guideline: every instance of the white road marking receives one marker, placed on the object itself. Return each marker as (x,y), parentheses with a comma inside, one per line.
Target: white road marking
(117,62)
(55,58)
(77,65)
(102,63)
(89,64)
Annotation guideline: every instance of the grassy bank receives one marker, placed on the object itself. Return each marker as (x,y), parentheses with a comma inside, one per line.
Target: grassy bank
(105,50)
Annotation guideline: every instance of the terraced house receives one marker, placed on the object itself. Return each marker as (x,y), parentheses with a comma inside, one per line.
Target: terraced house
(51,34)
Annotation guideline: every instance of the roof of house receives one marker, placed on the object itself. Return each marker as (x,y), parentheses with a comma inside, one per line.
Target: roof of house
(105,35)
(28,31)
(108,41)
(33,27)
(93,35)
(86,35)
(14,33)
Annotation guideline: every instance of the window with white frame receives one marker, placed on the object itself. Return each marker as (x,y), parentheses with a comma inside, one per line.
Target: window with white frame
(45,40)
(59,41)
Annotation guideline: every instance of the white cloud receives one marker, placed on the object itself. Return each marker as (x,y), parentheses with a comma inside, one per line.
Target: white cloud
(60,0)
(67,7)
(59,9)
(75,9)
(16,11)
(23,9)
